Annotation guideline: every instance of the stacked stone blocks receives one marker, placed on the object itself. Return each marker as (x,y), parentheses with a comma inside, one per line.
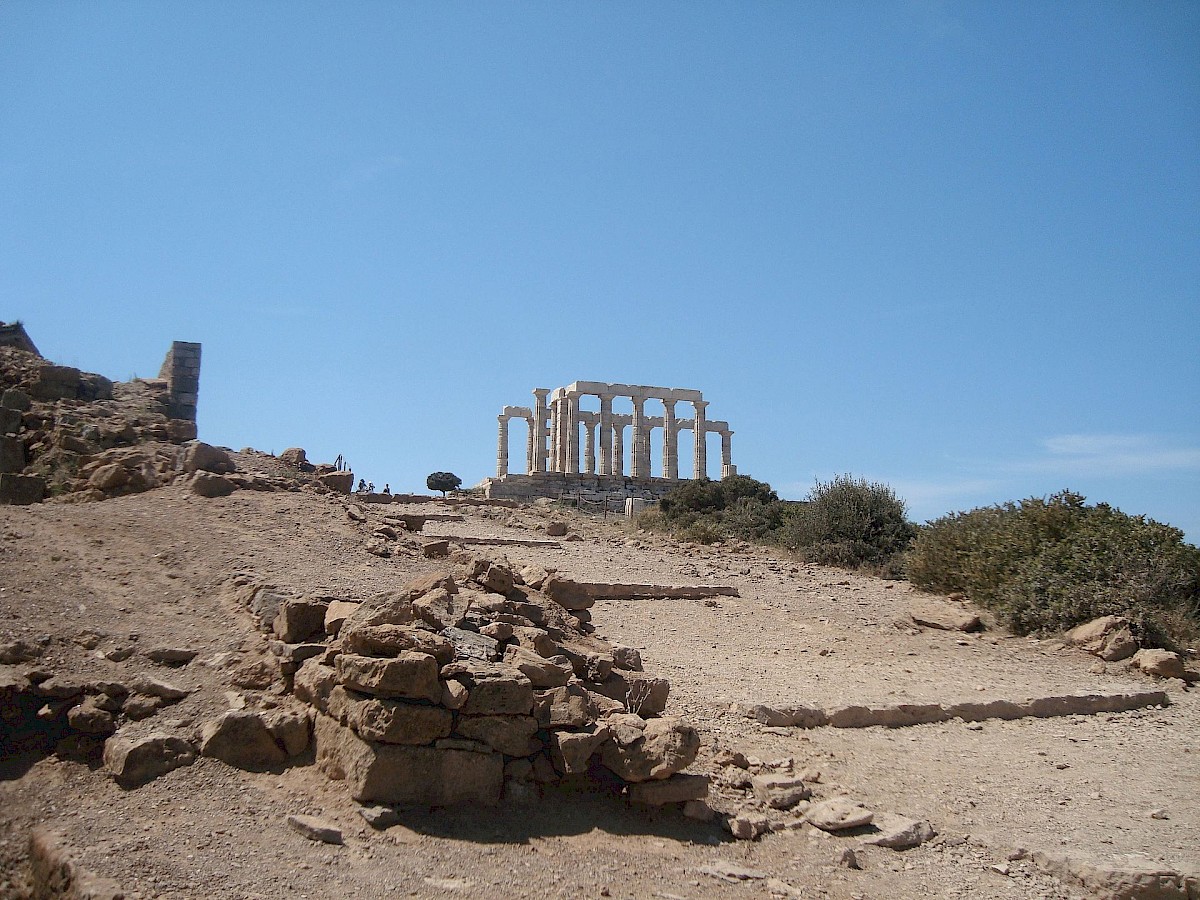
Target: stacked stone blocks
(181,371)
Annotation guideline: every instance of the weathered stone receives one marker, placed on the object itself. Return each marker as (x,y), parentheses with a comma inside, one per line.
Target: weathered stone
(627,658)
(1124,878)
(571,750)
(676,789)
(199,456)
(171,656)
(154,687)
(299,620)
(535,576)
(12,652)
(567,593)
(510,735)
(454,694)
(435,549)
(109,477)
(336,614)
(379,817)
(535,639)
(495,689)
(390,640)
(294,457)
(569,706)
(838,814)
(779,791)
(746,826)
(60,687)
(496,578)
(934,614)
(402,774)
(411,676)
(1160,663)
(16,399)
(88,718)
(21,490)
(442,608)
(639,693)
(642,750)
(134,761)
(1108,637)
(497,631)
(556,529)
(241,739)
(389,721)
(206,484)
(590,657)
(56,872)
(541,672)
(314,682)
(140,707)
(291,730)
(472,644)
(342,482)
(898,832)
(316,829)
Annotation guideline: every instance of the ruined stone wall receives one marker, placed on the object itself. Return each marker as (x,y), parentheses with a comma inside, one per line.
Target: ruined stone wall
(181,371)
(528,488)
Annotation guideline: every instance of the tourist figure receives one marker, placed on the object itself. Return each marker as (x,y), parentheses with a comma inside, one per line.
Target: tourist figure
(362,485)
(370,487)
(387,488)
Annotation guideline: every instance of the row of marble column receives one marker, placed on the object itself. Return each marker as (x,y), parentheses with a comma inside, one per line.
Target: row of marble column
(552,442)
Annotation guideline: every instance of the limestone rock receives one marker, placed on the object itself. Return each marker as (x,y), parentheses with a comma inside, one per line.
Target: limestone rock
(199,456)
(291,730)
(639,693)
(567,593)
(747,826)
(316,829)
(299,620)
(899,832)
(568,706)
(342,482)
(88,718)
(314,682)
(336,614)
(442,608)
(1109,637)
(1160,663)
(171,656)
(510,735)
(779,791)
(389,721)
(495,689)
(154,687)
(134,761)
(379,817)
(294,457)
(642,750)
(556,529)
(241,739)
(472,644)
(676,789)
(571,750)
(391,640)
(535,576)
(435,549)
(205,484)
(934,614)
(627,658)
(838,814)
(403,774)
(541,672)
(109,477)
(410,676)
(454,694)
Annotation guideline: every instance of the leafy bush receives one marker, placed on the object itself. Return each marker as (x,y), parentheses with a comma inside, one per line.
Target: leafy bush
(1044,565)
(708,511)
(849,522)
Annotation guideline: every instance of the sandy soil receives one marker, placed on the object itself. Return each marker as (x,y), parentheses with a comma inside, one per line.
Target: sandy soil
(145,571)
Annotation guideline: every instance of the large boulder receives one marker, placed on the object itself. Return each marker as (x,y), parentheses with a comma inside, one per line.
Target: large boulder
(510,735)
(1160,663)
(404,774)
(242,739)
(298,620)
(410,676)
(199,456)
(943,616)
(390,640)
(134,761)
(1109,637)
(641,750)
(541,672)
(206,484)
(494,689)
(566,593)
(389,721)
(21,490)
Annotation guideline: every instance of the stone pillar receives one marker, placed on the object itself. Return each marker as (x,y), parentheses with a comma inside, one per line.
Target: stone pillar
(529,445)
(700,456)
(181,371)
(670,463)
(572,402)
(539,430)
(589,453)
(727,466)
(606,434)
(618,449)
(561,406)
(555,437)
(502,447)
(638,440)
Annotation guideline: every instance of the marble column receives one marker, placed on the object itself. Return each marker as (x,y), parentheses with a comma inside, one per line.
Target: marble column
(638,441)
(539,430)
(618,449)
(502,447)
(529,445)
(555,436)
(700,454)
(727,466)
(572,402)
(589,444)
(670,463)
(606,434)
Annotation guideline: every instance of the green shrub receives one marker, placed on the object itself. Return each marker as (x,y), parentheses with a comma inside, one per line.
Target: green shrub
(708,511)
(1045,565)
(849,522)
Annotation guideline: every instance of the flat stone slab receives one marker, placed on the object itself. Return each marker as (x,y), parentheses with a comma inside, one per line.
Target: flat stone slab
(904,714)
(469,540)
(618,591)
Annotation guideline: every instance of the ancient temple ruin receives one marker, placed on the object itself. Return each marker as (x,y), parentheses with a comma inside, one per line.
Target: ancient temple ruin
(557,461)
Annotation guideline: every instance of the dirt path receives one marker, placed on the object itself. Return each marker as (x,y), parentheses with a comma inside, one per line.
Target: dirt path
(144,570)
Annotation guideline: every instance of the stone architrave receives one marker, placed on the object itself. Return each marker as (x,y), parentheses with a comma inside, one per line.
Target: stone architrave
(700,453)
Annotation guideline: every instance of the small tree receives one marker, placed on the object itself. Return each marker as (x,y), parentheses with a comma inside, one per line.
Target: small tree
(443,481)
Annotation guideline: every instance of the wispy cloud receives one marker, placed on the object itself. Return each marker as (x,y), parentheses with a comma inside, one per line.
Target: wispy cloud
(1109,455)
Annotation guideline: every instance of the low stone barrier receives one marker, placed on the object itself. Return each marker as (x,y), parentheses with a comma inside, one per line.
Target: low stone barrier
(617,591)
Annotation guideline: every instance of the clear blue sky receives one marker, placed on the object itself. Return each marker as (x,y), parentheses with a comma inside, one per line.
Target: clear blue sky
(950,246)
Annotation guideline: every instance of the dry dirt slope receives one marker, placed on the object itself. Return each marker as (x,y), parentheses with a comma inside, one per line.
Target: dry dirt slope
(140,572)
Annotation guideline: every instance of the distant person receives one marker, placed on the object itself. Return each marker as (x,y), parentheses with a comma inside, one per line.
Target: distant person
(370,487)
(387,488)
(362,485)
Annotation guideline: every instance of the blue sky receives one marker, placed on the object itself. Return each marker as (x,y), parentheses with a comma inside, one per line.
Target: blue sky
(953,247)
